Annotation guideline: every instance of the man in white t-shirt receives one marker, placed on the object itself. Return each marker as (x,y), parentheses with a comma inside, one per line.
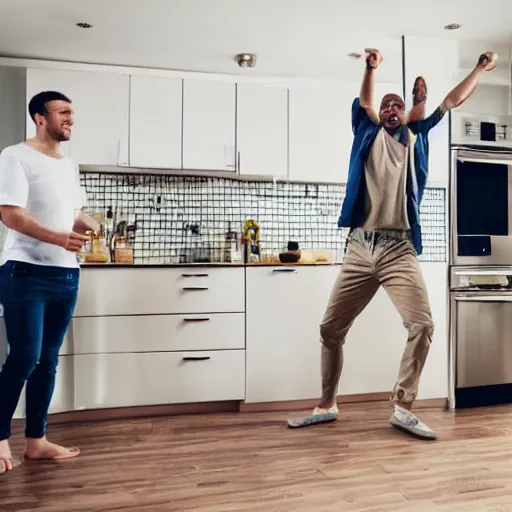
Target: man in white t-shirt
(40,202)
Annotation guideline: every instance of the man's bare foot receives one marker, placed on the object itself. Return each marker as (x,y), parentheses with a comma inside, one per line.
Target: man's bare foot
(6,463)
(42,449)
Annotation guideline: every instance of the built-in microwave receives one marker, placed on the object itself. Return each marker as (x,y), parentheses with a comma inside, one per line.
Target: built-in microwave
(481,206)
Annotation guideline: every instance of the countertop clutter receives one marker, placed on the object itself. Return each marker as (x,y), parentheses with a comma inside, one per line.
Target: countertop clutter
(307,258)
(114,243)
(209,265)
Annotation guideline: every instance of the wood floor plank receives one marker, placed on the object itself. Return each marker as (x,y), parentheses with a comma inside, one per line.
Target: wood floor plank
(251,462)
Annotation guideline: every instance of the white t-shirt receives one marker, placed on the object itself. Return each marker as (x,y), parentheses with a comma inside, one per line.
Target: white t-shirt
(49,189)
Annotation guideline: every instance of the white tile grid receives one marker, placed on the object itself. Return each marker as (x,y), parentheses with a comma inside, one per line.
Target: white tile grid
(306,213)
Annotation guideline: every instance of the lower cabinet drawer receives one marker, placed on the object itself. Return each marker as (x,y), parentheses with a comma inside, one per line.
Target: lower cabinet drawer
(62,399)
(127,380)
(156,333)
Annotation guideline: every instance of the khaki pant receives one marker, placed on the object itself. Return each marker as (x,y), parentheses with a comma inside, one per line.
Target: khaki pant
(373,259)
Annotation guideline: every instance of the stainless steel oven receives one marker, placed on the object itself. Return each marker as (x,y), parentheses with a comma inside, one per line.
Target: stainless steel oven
(481,206)
(480,336)
(480,277)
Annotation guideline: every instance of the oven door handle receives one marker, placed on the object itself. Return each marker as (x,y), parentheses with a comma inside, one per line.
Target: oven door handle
(482,298)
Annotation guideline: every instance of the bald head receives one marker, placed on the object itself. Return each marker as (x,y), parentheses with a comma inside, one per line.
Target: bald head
(391,111)
(389,99)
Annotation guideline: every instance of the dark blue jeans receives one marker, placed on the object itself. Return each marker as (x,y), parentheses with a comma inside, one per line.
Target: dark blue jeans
(38,304)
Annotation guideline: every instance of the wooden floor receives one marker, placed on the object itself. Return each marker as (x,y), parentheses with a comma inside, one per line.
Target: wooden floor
(252,462)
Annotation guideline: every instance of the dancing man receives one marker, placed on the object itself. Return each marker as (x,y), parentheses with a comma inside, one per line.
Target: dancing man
(387,176)
(39,271)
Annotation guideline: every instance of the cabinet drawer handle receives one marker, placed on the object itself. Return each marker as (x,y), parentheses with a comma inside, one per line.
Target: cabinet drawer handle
(196,319)
(194,275)
(194,288)
(284,270)
(198,358)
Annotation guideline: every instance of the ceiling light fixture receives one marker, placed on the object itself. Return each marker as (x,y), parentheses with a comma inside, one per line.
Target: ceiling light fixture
(82,24)
(452,26)
(355,55)
(246,60)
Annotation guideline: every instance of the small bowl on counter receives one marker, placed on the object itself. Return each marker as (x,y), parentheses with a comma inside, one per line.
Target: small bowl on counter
(292,255)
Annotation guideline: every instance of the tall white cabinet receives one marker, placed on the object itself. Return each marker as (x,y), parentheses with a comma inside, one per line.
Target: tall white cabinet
(100,101)
(209,113)
(155,122)
(436,60)
(262,130)
(320,135)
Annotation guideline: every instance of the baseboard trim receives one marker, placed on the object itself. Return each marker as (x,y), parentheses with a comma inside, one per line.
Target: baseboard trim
(430,403)
(149,411)
(126,413)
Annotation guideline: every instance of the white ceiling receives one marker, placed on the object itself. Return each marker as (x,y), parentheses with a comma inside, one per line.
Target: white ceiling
(300,38)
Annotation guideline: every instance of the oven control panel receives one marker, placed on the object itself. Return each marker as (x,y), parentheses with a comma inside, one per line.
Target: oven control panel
(481,278)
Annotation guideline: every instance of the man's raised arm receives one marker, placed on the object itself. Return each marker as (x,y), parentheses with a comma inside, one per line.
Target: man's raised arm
(373,59)
(457,96)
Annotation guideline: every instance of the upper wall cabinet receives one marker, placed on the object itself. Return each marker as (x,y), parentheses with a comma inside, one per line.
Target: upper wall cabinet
(320,135)
(156,122)
(262,130)
(437,61)
(209,111)
(100,102)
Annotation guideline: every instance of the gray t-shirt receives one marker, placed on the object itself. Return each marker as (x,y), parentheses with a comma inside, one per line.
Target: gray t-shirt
(386,179)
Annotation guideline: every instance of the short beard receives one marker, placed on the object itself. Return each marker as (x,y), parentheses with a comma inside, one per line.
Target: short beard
(58,136)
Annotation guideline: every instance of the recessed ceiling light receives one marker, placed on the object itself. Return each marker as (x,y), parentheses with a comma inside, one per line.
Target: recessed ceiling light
(83,25)
(355,55)
(452,26)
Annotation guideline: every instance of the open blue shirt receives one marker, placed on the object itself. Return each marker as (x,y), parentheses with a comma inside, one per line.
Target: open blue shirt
(365,131)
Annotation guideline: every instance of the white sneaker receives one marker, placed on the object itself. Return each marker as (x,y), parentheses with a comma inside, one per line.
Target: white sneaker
(317,416)
(406,421)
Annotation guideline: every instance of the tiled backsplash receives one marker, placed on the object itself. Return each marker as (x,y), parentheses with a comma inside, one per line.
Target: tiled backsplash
(168,210)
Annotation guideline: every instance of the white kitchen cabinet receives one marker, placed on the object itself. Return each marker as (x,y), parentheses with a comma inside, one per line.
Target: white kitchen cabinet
(209,112)
(156,108)
(153,291)
(101,105)
(63,398)
(157,333)
(376,341)
(436,60)
(125,380)
(284,310)
(262,130)
(320,135)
